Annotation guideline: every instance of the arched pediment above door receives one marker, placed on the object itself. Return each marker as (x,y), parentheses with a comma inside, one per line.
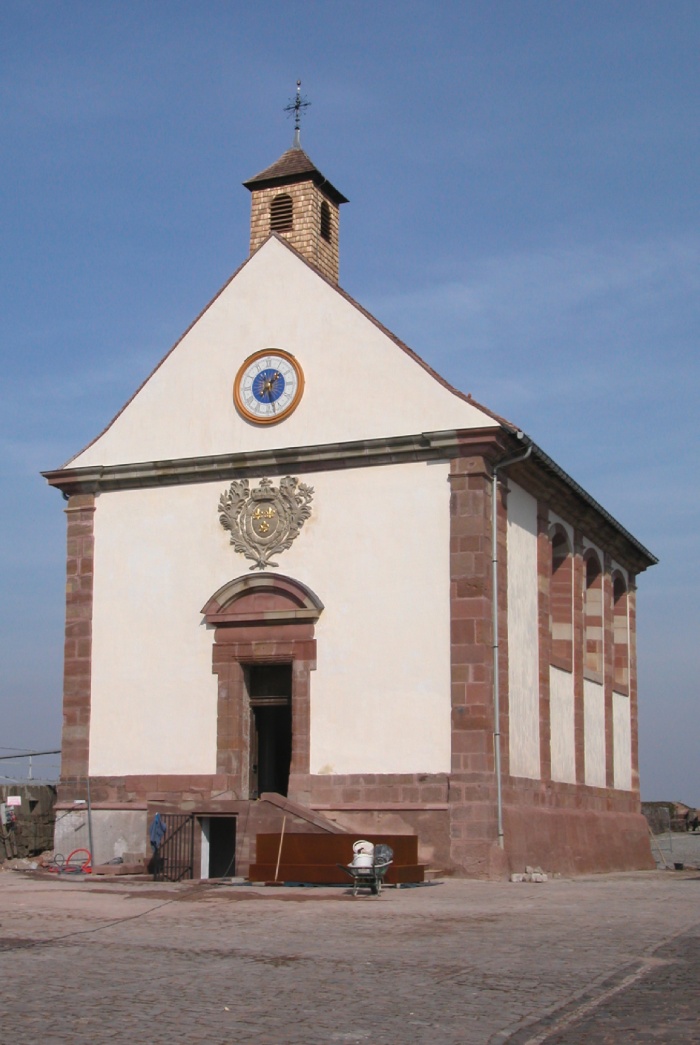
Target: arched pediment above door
(266,597)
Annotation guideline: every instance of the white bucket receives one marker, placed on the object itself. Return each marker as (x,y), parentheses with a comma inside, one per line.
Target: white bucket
(362,860)
(363,846)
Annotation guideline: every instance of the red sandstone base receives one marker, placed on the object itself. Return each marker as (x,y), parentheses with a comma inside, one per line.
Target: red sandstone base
(455,837)
(577,841)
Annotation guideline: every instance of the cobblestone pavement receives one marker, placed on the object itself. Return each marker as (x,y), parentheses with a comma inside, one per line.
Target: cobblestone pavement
(597,959)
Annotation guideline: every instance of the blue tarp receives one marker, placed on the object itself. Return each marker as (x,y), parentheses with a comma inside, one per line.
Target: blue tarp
(157,831)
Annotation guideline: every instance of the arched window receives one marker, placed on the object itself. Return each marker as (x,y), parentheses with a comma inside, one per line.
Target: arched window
(593,613)
(560,599)
(620,633)
(281,213)
(325,221)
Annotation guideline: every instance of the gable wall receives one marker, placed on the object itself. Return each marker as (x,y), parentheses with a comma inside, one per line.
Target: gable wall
(358,383)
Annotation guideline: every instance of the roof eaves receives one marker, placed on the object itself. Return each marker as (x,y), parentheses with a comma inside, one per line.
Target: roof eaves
(553,468)
(293,166)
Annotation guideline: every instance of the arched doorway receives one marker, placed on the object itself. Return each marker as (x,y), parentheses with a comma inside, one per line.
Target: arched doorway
(264,651)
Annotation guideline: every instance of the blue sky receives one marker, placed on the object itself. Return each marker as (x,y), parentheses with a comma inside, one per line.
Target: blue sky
(524,213)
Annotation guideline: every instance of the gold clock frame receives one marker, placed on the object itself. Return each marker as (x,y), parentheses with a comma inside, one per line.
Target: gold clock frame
(240,405)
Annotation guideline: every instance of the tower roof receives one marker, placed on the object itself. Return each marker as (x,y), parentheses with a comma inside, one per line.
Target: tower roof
(294,166)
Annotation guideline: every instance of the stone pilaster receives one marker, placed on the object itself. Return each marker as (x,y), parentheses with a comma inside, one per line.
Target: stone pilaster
(472,796)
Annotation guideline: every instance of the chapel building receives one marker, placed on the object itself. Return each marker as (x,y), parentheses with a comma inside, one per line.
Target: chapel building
(302,566)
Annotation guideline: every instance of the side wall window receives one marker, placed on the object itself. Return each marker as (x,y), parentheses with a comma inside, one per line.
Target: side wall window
(593,614)
(281,213)
(561,599)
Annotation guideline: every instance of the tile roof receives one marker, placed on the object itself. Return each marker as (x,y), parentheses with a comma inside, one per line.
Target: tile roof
(290,167)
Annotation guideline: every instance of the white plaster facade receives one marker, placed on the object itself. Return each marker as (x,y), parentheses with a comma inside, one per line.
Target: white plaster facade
(523,642)
(383,668)
(562,725)
(622,742)
(594,732)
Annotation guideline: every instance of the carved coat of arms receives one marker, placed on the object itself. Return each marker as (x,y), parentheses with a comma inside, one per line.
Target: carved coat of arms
(264,521)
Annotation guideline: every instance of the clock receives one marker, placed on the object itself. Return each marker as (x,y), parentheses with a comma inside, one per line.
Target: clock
(268,386)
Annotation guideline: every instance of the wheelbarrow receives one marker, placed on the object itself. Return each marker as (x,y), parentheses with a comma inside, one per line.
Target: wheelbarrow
(370,865)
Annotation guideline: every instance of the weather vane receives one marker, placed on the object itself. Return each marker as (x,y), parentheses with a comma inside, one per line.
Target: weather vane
(297,106)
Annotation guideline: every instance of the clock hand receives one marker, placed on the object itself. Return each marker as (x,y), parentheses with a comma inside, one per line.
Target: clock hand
(270,384)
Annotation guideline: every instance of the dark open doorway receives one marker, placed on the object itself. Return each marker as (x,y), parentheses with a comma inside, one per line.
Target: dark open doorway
(270,692)
(222,846)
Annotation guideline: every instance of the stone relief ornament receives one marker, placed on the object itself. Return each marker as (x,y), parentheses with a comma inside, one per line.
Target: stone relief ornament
(265,521)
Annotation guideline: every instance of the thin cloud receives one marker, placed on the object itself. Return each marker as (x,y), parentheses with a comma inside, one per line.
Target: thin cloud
(604,323)
(535,294)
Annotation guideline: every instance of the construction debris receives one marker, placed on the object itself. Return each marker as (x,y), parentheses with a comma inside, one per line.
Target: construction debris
(532,874)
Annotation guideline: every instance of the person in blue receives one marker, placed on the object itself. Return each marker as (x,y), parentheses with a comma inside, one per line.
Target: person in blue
(156,833)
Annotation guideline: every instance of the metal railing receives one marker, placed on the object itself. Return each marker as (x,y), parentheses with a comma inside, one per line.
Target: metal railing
(173,861)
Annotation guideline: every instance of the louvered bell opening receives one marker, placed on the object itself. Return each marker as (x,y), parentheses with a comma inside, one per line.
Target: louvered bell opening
(325,221)
(281,213)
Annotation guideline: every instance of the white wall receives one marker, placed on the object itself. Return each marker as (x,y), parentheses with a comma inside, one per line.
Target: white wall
(375,551)
(115,832)
(563,734)
(622,742)
(523,641)
(594,733)
(359,383)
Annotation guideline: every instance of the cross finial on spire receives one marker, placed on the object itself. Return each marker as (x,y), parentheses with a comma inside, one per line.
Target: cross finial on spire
(297,106)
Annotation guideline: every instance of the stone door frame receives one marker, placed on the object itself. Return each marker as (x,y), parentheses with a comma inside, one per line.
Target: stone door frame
(265,619)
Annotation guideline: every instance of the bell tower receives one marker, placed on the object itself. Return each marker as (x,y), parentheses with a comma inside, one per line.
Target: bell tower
(294,199)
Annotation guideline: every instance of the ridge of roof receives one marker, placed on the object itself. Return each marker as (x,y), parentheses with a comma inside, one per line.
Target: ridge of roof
(288,168)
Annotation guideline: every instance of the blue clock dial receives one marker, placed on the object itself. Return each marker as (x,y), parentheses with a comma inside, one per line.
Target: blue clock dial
(268,386)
